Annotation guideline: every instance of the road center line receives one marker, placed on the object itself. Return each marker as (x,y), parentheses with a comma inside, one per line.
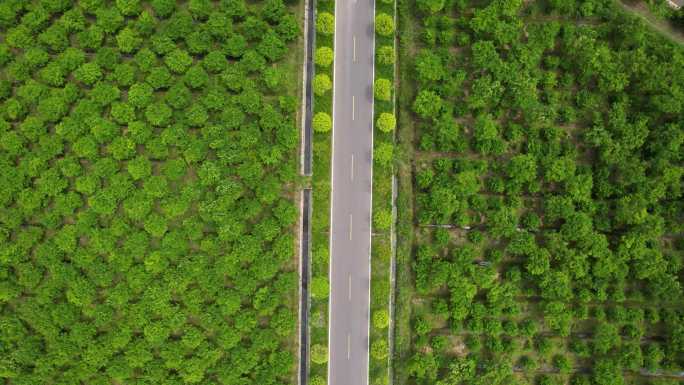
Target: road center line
(350,226)
(348,346)
(354,47)
(353,106)
(349,287)
(352,166)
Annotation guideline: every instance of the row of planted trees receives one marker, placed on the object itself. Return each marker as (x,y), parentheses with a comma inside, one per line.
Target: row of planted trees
(146,154)
(548,197)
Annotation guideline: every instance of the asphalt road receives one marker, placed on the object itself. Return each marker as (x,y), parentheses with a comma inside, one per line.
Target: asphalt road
(351,193)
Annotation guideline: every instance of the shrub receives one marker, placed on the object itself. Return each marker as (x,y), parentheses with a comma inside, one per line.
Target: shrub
(128,40)
(128,7)
(122,113)
(382,89)
(321,84)
(317,380)
(320,288)
(382,219)
(325,23)
(386,55)
(324,56)
(384,24)
(319,354)
(380,349)
(156,225)
(386,122)
(196,77)
(384,153)
(158,114)
(427,104)
(139,168)
(140,94)
(430,6)
(381,319)
(322,122)
(178,61)
(88,73)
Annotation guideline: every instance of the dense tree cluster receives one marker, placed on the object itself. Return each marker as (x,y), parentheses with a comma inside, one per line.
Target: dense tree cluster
(146,224)
(550,212)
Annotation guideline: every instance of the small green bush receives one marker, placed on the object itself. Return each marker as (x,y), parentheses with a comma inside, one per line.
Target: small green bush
(324,56)
(322,122)
(386,122)
(325,23)
(384,24)
(321,84)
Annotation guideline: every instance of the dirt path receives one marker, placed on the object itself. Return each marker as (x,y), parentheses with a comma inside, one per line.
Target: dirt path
(660,25)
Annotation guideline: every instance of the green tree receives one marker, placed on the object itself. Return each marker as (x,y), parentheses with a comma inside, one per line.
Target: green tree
(128,40)
(322,122)
(178,61)
(430,6)
(88,73)
(382,89)
(382,219)
(383,153)
(319,354)
(380,350)
(381,319)
(324,56)
(386,55)
(427,104)
(384,24)
(325,23)
(320,288)
(386,122)
(321,84)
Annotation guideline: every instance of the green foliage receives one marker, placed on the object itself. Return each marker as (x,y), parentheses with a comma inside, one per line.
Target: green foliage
(324,56)
(534,163)
(321,84)
(383,154)
(386,122)
(384,24)
(382,89)
(382,219)
(386,55)
(319,354)
(325,23)
(322,122)
(320,288)
(146,172)
(381,319)
(427,104)
(379,350)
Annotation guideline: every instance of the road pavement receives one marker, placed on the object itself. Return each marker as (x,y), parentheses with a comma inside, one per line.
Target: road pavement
(351,193)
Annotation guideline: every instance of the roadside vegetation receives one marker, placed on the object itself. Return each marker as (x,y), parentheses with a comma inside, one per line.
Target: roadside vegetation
(148,172)
(320,223)
(383,171)
(540,209)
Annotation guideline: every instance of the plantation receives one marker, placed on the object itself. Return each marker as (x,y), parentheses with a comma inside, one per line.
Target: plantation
(148,160)
(541,208)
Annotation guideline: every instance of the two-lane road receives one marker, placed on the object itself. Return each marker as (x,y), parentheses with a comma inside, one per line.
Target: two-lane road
(350,227)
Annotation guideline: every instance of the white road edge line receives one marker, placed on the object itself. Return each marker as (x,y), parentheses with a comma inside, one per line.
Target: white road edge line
(332,176)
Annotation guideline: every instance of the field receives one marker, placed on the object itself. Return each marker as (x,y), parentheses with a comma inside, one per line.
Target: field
(540,208)
(148,175)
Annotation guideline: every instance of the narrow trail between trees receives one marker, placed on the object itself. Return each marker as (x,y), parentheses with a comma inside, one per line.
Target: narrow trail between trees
(660,25)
